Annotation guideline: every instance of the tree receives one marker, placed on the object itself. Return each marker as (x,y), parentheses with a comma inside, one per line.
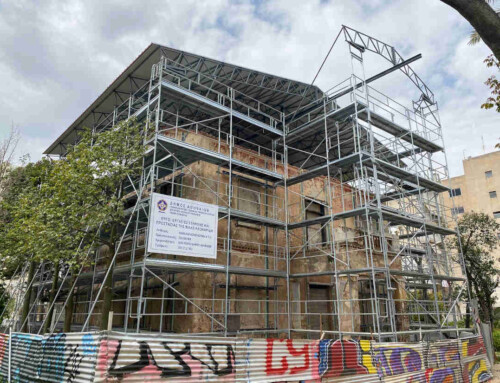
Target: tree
(483,19)
(52,211)
(36,228)
(89,184)
(23,197)
(486,22)
(478,236)
(475,38)
(494,84)
(7,149)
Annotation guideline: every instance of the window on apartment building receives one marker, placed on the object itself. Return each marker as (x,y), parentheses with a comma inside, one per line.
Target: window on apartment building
(455,192)
(496,214)
(493,194)
(488,173)
(316,234)
(457,210)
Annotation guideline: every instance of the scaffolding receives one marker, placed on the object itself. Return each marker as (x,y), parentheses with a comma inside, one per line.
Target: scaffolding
(330,217)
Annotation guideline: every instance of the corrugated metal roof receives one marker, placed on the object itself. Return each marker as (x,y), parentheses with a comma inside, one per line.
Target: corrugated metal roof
(245,80)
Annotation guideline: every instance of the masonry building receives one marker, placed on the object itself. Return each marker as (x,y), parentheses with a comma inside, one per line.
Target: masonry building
(330,217)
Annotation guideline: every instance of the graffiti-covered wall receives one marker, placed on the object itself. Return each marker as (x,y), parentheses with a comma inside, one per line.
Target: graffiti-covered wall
(115,357)
(367,361)
(57,358)
(153,358)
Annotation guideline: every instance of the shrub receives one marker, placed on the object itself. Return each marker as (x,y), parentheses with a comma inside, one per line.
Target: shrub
(496,339)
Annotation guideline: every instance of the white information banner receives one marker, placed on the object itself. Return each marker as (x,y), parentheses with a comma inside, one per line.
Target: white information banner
(182,227)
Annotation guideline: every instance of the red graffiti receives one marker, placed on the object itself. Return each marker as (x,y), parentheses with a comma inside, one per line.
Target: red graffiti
(304,351)
(284,364)
(344,359)
(270,370)
(475,347)
(3,345)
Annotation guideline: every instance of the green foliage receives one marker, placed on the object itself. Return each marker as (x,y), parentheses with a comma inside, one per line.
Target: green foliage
(478,236)
(56,211)
(4,298)
(474,38)
(496,318)
(88,182)
(21,213)
(461,323)
(494,84)
(496,339)
(51,207)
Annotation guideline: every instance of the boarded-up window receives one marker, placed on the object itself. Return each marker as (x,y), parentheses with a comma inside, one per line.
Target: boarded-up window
(295,298)
(248,196)
(316,234)
(370,303)
(251,306)
(248,200)
(320,308)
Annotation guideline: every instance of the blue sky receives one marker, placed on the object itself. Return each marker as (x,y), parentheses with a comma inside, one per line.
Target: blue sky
(56,57)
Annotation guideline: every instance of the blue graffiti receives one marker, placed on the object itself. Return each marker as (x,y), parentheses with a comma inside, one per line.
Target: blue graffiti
(88,345)
(397,360)
(26,349)
(52,362)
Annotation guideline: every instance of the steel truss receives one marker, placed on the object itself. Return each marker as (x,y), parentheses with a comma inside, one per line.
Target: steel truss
(330,217)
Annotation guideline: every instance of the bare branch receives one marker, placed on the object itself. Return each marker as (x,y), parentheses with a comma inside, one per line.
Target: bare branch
(7,149)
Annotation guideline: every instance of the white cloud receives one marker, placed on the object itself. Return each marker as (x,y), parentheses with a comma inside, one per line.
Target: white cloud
(57,57)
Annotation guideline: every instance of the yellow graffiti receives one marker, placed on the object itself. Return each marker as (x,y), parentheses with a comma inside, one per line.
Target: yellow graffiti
(367,356)
(482,369)
(465,347)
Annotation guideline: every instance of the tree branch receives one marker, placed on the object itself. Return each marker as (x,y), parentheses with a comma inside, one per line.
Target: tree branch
(483,18)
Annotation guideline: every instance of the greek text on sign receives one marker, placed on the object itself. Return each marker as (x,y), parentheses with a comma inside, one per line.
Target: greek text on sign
(182,227)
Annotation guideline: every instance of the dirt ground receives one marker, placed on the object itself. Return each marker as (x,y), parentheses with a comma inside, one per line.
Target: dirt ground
(496,373)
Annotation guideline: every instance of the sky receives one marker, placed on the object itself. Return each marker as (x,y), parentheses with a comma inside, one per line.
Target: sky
(56,57)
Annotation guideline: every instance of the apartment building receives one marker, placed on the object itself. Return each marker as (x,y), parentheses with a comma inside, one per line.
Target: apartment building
(477,190)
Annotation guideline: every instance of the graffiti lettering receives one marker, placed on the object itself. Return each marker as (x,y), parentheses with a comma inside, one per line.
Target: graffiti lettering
(304,351)
(476,370)
(50,358)
(109,357)
(52,361)
(300,355)
(182,353)
(72,365)
(270,370)
(340,358)
(396,361)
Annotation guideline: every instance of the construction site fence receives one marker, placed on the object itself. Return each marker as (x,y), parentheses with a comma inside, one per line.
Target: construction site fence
(119,357)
